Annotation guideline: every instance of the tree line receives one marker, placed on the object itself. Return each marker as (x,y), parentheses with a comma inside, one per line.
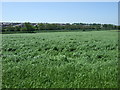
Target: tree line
(28,27)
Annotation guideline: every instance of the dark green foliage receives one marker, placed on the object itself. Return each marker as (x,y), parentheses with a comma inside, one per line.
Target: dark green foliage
(10,28)
(28,27)
(41,26)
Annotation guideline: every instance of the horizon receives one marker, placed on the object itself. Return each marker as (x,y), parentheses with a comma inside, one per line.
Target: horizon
(55,22)
(61,12)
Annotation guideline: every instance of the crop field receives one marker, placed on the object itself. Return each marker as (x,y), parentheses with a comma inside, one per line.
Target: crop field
(60,60)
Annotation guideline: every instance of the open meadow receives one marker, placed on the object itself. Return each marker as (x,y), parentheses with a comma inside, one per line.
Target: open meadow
(60,60)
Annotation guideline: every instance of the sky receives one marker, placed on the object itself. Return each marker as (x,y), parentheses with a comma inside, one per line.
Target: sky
(60,0)
(61,12)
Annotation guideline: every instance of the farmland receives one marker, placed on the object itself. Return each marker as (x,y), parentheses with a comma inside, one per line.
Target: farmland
(60,60)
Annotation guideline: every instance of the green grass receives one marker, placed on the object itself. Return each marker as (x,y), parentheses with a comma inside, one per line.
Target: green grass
(60,60)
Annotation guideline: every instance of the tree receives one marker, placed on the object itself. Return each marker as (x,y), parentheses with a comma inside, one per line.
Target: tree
(28,27)
(10,28)
(67,26)
(41,26)
(118,27)
(17,28)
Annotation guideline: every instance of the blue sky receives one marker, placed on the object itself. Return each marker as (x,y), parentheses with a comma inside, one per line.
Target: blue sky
(61,12)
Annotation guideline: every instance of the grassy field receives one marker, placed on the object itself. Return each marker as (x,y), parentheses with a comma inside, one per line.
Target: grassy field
(60,60)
